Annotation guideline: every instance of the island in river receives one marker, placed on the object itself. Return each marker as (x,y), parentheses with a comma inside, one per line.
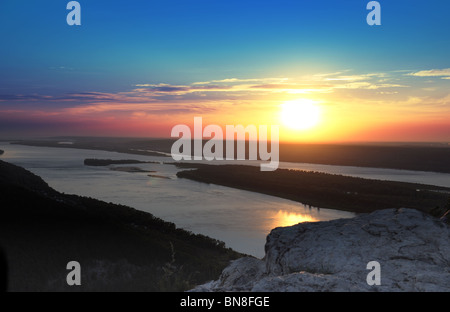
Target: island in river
(321,189)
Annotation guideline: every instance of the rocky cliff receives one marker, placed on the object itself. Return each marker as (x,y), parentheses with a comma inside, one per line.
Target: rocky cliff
(412,248)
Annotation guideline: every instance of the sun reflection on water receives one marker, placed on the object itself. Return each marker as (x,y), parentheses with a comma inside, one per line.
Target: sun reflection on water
(287,218)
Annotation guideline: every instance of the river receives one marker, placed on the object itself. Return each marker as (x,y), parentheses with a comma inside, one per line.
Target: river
(240,218)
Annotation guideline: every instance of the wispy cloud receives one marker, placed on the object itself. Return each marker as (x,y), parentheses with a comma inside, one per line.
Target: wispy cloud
(208,96)
(24,97)
(443,73)
(240,80)
(358,77)
(321,83)
(227,88)
(82,96)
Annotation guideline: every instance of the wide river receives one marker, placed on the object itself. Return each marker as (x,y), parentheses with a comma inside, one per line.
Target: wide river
(240,218)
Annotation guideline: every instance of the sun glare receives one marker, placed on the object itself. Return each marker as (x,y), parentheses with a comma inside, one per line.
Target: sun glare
(301,114)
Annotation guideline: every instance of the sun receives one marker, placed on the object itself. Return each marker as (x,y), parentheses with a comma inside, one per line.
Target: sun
(301,114)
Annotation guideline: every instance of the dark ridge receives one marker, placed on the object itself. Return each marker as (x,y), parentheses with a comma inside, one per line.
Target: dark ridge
(118,248)
(3,272)
(11,175)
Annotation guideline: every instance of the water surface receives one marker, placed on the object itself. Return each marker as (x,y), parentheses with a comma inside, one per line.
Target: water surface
(240,218)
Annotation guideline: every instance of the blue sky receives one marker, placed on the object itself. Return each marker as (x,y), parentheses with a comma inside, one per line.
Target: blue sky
(128,42)
(122,44)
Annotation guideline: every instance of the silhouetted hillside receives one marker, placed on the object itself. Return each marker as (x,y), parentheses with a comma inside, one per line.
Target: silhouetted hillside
(119,248)
(3,271)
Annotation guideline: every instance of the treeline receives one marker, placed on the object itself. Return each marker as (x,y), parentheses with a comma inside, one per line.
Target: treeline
(321,189)
(119,248)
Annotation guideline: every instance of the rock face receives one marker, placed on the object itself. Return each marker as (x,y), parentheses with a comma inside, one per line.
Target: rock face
(412,248)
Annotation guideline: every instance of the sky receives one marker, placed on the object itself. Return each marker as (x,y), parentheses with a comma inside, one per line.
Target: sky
(138,68)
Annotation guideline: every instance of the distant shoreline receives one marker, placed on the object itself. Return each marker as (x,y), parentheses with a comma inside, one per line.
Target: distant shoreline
(91,146)
(407,156)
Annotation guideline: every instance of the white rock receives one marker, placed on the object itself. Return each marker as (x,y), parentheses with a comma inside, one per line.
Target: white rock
(413,250)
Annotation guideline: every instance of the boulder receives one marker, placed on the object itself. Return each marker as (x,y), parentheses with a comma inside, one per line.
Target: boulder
(412,248)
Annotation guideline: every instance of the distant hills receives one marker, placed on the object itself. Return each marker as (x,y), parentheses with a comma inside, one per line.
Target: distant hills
(118,248)
(405,156)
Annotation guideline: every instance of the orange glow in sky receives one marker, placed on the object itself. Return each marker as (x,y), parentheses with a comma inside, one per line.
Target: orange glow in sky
(318,108)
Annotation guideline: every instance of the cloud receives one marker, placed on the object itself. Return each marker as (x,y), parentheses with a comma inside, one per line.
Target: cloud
(240,80)
(164,88)
(445,73)
(355,77)
(24,97)
(291,88)
(220,89)
(368,86)
(82,96)
(323,83)
(241,87)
